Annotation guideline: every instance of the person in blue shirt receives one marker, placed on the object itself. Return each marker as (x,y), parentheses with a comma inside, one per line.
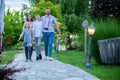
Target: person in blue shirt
(27,43)
(49,22)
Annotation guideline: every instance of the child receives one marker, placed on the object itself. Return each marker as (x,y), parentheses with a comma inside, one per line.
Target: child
(27,43)
(37,30)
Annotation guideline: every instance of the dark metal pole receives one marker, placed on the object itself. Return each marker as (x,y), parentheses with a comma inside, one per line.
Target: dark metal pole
(85,45)
(57,48)
(88,65)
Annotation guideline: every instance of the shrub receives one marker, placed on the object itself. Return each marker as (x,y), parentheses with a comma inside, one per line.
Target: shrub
(12,28)
(104,29)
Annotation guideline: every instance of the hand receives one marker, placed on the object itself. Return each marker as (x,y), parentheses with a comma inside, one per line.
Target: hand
(59,35)
(18,40)
(33,39)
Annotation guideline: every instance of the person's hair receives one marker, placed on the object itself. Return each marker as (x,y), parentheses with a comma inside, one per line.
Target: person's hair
(25,25)
(36,14)
(47,8)
(27,17)
(28,27)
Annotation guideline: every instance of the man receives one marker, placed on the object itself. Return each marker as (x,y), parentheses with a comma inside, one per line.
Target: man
(48,23)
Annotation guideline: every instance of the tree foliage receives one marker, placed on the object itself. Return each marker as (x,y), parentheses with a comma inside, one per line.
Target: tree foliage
(13,26)
(42,5)
(105,8)
(72,12)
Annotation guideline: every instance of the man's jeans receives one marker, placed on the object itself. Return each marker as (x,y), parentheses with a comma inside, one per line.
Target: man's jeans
(48,40)
(28,52)
(38,46)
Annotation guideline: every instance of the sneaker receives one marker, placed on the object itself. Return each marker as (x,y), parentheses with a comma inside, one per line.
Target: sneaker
(37,58)
(30,60)
(40,56)
(45,58)
(50,58)
(26,60)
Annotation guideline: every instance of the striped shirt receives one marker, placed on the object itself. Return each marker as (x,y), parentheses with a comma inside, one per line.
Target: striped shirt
(48,22)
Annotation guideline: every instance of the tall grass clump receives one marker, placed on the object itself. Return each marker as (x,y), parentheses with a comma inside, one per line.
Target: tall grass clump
(105,29)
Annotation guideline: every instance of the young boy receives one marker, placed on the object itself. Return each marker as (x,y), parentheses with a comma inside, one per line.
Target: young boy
(38,33)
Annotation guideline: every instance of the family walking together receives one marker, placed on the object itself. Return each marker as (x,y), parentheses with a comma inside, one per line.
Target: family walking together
(35,30)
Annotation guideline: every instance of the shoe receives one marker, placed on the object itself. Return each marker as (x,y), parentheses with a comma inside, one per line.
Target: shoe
(50,58)
(46,58)
(26,60)
(37,58)
(30,60)
(40,56)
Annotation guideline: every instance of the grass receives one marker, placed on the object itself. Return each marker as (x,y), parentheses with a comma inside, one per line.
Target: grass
(104,72)
(7,57)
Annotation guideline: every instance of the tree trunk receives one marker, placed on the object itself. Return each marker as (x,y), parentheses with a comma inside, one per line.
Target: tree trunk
(1,22)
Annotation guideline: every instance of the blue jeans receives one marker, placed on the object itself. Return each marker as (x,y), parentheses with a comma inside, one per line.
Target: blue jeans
(48,40)
(38,46)
(28,52)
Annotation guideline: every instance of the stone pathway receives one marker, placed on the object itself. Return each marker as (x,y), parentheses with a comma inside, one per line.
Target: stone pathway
(47,70)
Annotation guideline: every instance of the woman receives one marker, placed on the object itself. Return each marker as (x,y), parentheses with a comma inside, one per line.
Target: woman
(37,31)
(29,20)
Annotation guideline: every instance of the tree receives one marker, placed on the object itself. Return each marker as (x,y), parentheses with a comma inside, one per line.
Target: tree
(54,1)
(33,2)
(1,22)
(72,15)
(42,5)
(105,8)
(13,26)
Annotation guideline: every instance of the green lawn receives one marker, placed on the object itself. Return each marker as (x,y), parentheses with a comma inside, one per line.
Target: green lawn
(7,57)
(104,72)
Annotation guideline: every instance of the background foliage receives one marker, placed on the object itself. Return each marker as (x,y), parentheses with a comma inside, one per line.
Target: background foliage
(13,27)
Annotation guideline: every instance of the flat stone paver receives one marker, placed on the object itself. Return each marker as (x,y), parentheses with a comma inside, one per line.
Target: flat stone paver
(47,70)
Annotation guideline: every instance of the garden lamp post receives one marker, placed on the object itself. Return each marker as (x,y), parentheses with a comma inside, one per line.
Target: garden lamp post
(91,31)
(85,25)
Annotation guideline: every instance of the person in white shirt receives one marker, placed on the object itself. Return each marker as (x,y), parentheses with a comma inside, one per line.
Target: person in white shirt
(38,34)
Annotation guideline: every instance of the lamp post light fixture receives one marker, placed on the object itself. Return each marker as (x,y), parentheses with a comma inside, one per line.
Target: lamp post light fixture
(91,31)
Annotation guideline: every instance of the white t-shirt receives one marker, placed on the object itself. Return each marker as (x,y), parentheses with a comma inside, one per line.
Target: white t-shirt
(38,29)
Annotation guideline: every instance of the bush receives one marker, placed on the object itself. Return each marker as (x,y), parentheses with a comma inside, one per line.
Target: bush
(12,28)
(104,29)
(18,45)
(80,42)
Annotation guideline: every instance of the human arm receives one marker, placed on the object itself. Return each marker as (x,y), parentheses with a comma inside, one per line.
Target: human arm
(21,35)
(58,30)
(33,32)
(57,27)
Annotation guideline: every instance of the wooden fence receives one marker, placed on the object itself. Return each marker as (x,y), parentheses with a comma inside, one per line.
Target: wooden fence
(109,50)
